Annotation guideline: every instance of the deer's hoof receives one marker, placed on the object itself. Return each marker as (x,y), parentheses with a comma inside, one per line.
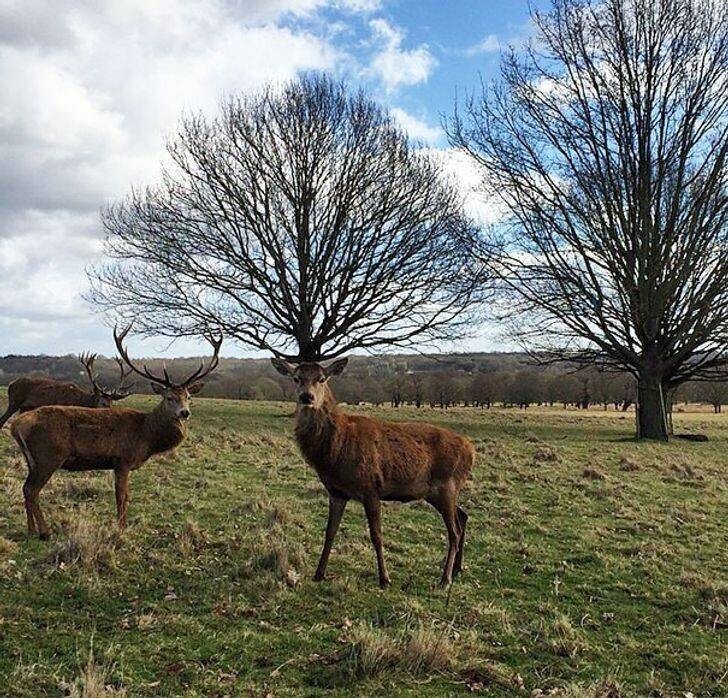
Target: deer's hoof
(44,536)
(319,577)
(384,583)
(445,582)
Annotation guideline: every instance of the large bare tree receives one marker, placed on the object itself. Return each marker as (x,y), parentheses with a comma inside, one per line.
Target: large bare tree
(606,140)
(301,221)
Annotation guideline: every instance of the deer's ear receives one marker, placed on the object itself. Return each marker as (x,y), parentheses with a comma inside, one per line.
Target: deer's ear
(282,366)
(195,388)
(336,368)
(157,388)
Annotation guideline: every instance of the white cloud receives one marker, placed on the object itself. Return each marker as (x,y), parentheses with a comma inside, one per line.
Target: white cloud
(42,257)
(489,44)
(88,93)
(394,65)
(362,6)
(468,177)
(417,129)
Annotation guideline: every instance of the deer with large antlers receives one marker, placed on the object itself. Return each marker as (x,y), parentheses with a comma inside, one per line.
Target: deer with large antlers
(78,438)
(369,460)
(29,392)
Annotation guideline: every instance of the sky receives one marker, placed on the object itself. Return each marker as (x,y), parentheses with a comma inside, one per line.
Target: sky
(89,91)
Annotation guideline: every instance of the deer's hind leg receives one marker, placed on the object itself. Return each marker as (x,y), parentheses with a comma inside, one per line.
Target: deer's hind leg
(32,528)
(31,489)
(37,478)
(462,522)
(121,488)
(446,504)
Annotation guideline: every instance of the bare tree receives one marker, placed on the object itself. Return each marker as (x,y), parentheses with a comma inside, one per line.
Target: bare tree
(417,389)
(441,389)
(524,388)
(486,388)
(301,221)
(395,391)
(715,393)
(606,140)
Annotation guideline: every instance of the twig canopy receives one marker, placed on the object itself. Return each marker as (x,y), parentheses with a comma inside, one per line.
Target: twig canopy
(606,139)
(300,221)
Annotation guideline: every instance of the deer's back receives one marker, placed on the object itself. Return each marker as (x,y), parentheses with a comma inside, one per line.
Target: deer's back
(28,393)
(406,446)
(82,438)
(402,461)
(449,453)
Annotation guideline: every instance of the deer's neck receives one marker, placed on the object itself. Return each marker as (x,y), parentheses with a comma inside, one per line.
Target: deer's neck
(89,400)
(162,431)
(318,431)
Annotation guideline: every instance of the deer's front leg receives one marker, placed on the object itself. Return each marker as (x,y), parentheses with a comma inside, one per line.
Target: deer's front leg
(121,486)
(373,508)
(336,511)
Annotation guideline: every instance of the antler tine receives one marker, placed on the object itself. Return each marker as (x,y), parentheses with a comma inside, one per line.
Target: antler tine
(122,389)
(201,372)
(123,373)
(87,359)
(146,373)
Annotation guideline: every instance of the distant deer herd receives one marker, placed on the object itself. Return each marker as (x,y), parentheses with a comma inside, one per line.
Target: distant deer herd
(62,427)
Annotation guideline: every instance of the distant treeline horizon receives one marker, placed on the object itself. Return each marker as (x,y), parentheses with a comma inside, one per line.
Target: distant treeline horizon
(479,379)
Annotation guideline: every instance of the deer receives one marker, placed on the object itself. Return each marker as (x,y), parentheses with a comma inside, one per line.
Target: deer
(371,460)
(29,392)
(73,438)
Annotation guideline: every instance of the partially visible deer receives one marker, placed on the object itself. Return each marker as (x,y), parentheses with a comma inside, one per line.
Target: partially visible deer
(369,460)
(79,438)
(29,392)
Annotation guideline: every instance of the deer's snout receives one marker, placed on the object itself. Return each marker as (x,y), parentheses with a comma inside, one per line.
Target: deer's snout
(184,413)
(306,398)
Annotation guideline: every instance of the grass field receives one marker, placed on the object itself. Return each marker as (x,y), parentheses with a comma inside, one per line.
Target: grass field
(595,566)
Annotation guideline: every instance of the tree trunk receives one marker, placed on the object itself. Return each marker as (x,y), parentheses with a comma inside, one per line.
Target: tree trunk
(669,403)
(651,408)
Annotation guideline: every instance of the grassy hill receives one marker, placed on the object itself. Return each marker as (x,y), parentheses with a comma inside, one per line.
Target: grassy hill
(595,565)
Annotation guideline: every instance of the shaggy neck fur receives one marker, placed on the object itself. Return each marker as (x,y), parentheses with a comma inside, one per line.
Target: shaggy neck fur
(163,430)
(90,400)
(317,430)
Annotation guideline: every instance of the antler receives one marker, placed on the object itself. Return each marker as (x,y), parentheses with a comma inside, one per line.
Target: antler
(201,372)
(87,359)
(122,389)
(145,373)
(123,375)
(166,381)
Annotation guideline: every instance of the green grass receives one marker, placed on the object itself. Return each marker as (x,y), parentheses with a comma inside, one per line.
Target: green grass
(581,575)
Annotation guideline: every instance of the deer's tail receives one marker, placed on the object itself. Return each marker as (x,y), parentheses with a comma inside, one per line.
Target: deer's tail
(17,432)
(466,460)
(9,412)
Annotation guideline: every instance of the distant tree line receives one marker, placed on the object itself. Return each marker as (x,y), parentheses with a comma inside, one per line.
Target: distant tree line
(480,381)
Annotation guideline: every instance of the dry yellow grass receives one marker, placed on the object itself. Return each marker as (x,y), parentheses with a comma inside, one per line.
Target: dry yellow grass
(93,681)
(86,543)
